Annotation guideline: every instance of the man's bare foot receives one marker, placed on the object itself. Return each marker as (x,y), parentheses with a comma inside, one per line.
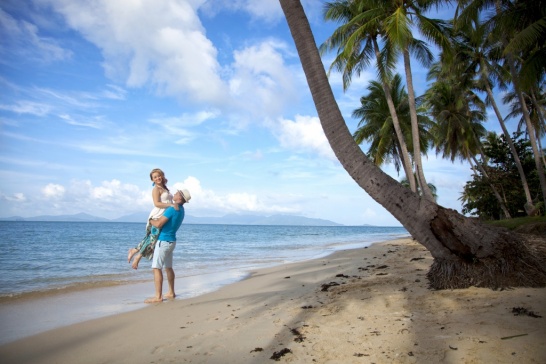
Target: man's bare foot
(169,296)
(132,252)
(136,261)
(153,300)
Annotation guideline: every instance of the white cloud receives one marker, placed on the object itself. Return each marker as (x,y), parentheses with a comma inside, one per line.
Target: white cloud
(179,126)
(28,107)
(183,128)
(303,135)
(114,198)
(205,200)
(266,10)
(93,122)
(185,120)
(114,92)
(53,191)
(163,43)
(163,46)
(67,105)
(110,196)
(261,83)
(80,100)
(14,198)
(24,40)
(253,155)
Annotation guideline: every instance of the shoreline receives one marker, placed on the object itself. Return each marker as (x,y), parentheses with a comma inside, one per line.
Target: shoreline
(32,313)
(360,305)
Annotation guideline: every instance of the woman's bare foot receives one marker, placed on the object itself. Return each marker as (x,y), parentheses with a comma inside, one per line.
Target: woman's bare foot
(132,252)
(169,296)
(153,300)
(136,261)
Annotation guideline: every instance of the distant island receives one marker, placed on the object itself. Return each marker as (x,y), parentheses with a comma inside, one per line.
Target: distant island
(230,219)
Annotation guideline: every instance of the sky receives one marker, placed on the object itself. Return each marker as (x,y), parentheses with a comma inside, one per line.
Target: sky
(95,94)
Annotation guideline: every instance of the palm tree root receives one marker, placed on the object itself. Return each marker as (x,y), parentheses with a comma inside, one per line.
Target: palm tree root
(522,264)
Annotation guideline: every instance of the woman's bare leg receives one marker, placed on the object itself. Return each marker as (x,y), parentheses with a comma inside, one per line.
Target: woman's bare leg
(136,261)
(132,252)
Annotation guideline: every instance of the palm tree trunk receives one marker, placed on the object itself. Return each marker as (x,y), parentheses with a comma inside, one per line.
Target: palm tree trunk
(525,112)
(427,193)
(396,123)
(529,201)
(465,252)
(539,109)
(398,148)
(541,124)
(530,128)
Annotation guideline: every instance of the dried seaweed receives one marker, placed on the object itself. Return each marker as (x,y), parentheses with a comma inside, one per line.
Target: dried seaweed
(279,354)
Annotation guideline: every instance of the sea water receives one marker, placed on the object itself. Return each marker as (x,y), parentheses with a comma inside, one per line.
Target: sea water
(55,256)
(87,262)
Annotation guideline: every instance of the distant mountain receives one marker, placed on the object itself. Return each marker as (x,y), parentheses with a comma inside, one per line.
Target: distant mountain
(134,217)
(230,219)
(235,219)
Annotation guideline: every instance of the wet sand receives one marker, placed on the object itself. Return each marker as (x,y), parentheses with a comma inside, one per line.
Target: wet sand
(354,306)
(42,311)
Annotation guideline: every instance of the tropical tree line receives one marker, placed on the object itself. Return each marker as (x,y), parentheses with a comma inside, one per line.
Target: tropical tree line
(501,171)
(465,251)
(488,46)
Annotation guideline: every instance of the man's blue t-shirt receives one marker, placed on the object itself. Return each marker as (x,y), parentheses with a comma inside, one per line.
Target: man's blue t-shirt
(168,231)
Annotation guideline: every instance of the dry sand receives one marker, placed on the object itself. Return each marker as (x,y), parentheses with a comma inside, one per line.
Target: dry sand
(356,306)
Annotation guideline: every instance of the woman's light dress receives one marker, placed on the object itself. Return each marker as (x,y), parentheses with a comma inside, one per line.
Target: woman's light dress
(147,245)
(156,212)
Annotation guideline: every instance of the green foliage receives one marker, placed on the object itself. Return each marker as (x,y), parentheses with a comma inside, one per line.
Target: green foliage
(519,221)
(376,124)
(404,182)
(478,198)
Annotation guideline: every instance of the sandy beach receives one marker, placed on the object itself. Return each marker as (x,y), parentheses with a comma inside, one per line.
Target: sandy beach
(367,305)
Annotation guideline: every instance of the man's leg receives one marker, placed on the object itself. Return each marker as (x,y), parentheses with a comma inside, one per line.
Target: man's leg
(157,268)
(158,281)
(170,279)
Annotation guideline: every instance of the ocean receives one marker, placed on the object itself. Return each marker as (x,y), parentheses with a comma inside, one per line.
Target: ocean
(46,260)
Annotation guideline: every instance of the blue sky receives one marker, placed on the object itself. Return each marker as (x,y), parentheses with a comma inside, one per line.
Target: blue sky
(95,94)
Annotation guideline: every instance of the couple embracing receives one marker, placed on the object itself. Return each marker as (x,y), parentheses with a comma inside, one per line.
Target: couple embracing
(160,240)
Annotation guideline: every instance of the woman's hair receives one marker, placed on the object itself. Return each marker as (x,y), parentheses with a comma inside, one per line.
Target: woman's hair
(157,170)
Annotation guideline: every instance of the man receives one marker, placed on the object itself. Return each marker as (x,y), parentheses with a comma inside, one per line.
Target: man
(164,247)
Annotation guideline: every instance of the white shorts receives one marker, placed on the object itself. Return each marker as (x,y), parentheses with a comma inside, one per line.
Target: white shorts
(163,254)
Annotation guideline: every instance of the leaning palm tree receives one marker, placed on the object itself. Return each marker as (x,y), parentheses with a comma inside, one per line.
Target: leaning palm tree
(520,26)
(528,21)
(376,125)
(465,252)
(476,56)
(459,114)
(535,113)
(357,44)
(397,20)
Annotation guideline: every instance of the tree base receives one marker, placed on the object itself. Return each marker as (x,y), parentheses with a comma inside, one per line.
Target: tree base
(480,255)
(522,265)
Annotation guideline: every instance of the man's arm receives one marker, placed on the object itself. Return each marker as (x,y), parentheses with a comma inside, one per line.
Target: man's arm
(159,222)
